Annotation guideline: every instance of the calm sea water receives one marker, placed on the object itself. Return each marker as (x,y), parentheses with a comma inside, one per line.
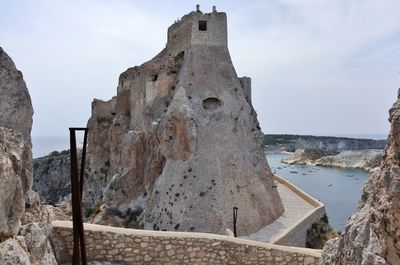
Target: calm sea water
(339,189)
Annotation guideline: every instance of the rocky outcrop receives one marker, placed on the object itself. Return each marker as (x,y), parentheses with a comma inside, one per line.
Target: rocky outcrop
(51,177)
(15,147)
(363,159)
(180,144)
(367,159)
(32,245)
(290,143)
(306,156)
(373,232)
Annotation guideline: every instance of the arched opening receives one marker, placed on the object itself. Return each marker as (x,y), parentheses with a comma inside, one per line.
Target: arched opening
(211,103)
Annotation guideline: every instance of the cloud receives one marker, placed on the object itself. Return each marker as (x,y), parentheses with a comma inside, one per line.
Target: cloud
(316,66)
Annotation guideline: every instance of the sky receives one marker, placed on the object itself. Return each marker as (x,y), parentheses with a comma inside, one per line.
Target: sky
(317,67)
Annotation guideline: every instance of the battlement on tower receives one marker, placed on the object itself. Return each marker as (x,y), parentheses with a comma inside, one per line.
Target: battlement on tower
(198,29)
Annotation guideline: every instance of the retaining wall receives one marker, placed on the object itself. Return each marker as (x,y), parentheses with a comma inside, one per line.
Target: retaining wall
(296,235)
(130,246)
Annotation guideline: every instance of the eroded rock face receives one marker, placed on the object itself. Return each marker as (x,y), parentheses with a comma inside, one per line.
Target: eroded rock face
(180,144)
(373,232)
(15,146)
(24,232)
(51,177)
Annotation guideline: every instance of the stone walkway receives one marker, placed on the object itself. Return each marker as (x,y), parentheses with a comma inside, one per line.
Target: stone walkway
(295,209)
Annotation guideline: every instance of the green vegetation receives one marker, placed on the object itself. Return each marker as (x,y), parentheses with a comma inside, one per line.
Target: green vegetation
(56,153)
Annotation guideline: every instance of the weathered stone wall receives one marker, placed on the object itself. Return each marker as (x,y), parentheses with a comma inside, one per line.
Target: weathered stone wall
(216,33)
(130,246)
(297,234)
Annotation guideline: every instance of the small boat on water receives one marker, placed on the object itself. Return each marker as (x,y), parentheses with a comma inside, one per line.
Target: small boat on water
(293,172)
(329,184)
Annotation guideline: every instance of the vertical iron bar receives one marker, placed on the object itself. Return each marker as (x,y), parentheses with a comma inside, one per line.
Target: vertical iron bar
(82,235)
(83,162)
(235,210)
(75,197)
(76,190)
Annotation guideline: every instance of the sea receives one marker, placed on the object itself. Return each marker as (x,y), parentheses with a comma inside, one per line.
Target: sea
(338,189)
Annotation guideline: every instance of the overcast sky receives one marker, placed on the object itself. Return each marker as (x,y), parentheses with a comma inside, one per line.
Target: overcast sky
(317,67)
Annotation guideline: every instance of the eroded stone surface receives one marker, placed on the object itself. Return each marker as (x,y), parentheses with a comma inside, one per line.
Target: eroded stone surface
(180,144)
(24,222)
(12,253)
(15,146)
(51,177)
(373,232)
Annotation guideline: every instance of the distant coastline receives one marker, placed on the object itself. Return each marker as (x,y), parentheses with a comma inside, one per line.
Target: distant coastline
(291,142)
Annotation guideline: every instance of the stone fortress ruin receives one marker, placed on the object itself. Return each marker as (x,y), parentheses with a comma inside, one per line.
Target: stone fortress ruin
(180,144)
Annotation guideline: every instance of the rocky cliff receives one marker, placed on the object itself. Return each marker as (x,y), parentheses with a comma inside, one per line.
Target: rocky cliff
(373,232)
(24,222)
(363,159)
(15,146)
(180,144)
(290,143)
(51,177)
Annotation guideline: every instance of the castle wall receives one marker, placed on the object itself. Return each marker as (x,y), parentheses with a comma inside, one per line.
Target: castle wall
(216,33)
(179,36)
(104,110)
(246,85)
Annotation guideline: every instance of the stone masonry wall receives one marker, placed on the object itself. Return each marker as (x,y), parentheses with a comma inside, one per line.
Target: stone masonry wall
(129,246)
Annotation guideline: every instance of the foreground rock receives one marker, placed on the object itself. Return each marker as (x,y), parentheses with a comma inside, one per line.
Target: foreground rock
(32,245)
(15,146)
(373,232)
(363,159)
(180,144)
(24,223)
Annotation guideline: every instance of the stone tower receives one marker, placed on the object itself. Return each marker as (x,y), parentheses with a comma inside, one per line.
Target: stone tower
(180,144)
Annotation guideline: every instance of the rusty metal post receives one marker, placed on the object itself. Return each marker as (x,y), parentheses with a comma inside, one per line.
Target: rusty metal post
(235,211)
(79,249)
